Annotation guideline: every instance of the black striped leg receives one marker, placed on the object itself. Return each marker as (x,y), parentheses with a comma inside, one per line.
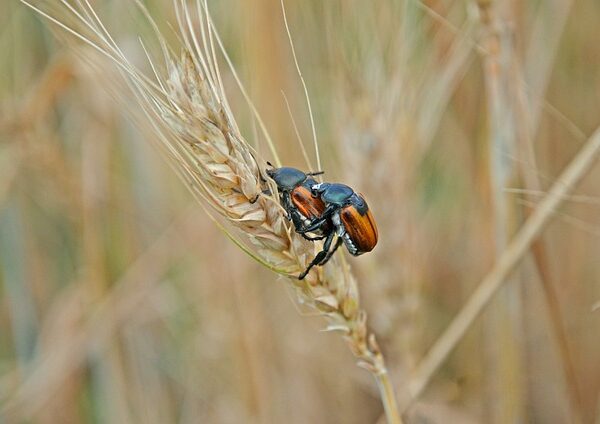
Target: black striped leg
(320,256)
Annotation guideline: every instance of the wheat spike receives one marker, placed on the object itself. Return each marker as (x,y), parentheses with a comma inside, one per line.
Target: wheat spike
(227,174)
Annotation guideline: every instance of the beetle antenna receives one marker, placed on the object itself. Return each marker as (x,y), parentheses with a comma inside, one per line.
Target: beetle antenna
(315,173)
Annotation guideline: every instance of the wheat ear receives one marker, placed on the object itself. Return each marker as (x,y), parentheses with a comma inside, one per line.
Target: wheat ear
(188,108)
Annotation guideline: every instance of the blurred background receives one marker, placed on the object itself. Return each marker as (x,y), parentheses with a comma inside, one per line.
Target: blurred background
(120,302)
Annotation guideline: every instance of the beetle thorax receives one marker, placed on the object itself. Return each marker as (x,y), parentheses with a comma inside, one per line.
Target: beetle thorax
(338,194)
(288,178)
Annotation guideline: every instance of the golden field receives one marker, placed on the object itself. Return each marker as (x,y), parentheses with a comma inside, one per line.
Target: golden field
(122,302)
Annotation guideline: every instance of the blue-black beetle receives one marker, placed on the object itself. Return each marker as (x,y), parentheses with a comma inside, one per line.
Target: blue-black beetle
(296,197)
(346,214)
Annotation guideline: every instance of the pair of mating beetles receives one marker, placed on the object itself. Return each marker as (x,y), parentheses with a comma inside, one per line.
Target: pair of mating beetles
(325,210)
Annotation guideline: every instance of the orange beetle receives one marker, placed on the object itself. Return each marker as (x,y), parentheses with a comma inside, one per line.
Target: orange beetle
(296,197)
(352,221)
(360,227)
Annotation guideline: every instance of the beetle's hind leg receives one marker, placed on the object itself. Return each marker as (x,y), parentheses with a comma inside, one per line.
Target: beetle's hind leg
(338,243)
(322,255)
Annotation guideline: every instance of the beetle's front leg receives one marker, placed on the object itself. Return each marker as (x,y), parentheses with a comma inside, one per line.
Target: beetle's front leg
(287,205)
(318,222)
(265,192)
(315,225)
(299,226)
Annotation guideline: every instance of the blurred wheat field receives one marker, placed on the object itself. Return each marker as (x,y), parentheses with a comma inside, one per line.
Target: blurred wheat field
(121,302)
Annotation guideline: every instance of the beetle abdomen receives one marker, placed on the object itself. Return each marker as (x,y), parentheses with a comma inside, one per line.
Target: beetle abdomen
(361,229)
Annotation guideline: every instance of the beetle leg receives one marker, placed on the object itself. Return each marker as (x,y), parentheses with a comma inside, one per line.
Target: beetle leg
(315,225)
(265,192)
(299,225)
(338,243)
(320,256)
(318,222)
(312,238)
(287,205)
(297,219)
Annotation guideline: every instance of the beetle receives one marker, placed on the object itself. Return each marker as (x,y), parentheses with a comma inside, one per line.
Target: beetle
(351,220)
(295,194)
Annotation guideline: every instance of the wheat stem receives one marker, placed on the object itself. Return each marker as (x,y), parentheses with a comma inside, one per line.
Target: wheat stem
(513,254)
(388,398)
